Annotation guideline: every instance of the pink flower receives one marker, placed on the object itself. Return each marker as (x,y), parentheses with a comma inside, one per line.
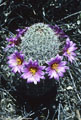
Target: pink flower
(69,49)
(58,31)
(15,40)
(33,72)
(16,61)
(21,31)
(11,42)
(56,67)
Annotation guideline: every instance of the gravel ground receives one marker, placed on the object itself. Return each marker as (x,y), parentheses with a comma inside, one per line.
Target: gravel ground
(64,102)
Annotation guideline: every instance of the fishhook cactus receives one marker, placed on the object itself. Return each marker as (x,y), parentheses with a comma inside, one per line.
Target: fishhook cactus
(42,47)
(40,43)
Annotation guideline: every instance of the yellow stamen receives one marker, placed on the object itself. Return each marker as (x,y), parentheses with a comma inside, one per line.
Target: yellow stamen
(19,61)
(11,42)
(33,70)
(54,66)
(68,52)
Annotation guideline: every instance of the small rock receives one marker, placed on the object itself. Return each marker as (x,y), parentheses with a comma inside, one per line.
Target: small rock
(69,88)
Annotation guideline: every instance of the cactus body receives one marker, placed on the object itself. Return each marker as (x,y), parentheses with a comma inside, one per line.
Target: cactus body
(40,43)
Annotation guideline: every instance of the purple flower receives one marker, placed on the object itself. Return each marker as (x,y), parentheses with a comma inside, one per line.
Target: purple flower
(11,42)
(16,61)
(15,40)
(21,32)
(58,31)
(56,67)
(69,49)
(33,72)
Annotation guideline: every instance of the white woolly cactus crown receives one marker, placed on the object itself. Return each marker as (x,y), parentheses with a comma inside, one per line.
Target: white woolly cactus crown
(40,43)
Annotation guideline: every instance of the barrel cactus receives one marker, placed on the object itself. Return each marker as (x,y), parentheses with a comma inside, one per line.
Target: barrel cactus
(40,43)
(39,56)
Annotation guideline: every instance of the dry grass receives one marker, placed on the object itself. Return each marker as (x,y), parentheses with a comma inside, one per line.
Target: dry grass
(66,104)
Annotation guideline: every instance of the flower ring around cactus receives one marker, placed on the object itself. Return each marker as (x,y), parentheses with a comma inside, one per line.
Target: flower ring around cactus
(41,56)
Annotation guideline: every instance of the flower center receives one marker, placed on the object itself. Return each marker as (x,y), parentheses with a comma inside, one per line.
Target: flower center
(11,42)
(33,70)
(54,66)
(19,61)
(68,52)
